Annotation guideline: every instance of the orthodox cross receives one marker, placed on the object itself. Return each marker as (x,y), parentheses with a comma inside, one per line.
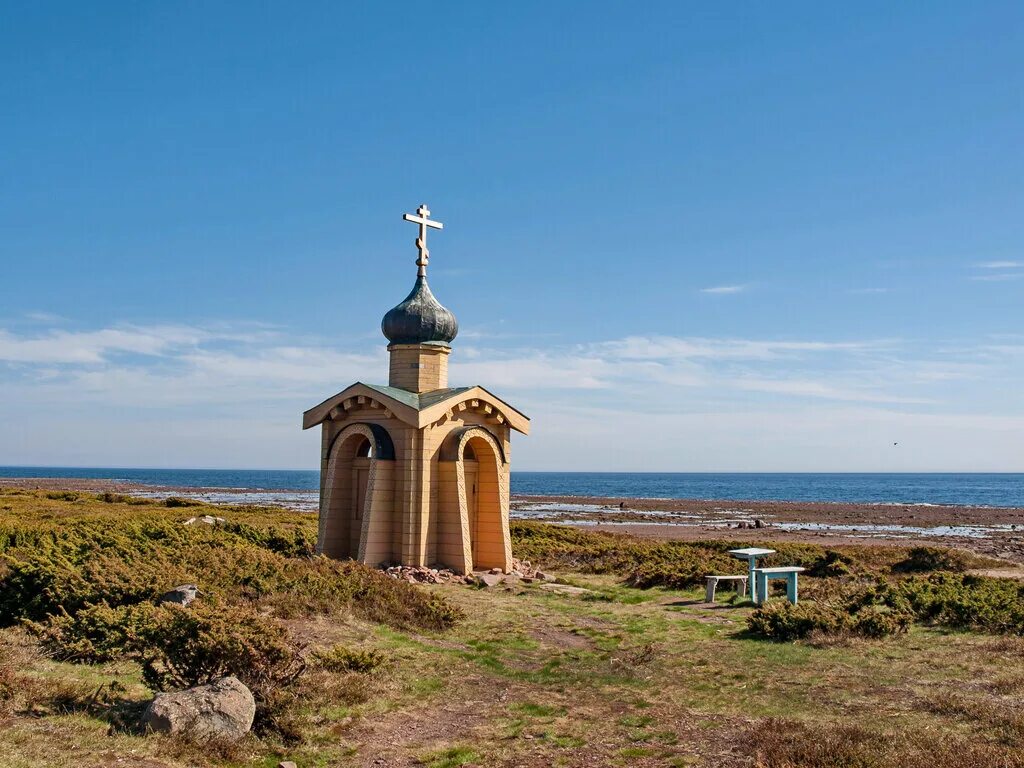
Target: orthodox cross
(421,242)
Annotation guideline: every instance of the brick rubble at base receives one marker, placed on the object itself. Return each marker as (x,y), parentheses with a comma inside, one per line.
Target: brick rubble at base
(522,570)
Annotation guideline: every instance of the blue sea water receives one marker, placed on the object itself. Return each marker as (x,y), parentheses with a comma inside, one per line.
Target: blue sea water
(975,489)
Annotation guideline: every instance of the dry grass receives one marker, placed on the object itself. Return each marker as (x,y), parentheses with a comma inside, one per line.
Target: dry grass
(785,744)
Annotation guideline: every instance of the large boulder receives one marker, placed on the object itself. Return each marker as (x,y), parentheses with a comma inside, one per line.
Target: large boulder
(223,709)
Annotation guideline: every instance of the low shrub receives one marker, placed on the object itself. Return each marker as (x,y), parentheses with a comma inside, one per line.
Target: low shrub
(949,600)
(177,501)
(831,564)
(927,559)
(63,496)
(782,621)
(342,659)
(67,565)
(179,647)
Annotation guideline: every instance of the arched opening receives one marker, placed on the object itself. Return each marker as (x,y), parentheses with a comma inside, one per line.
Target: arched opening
(481,467)
(472,524)
(349,489)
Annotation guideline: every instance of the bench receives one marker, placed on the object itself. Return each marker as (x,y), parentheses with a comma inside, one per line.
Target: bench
(763,575)
(741,586)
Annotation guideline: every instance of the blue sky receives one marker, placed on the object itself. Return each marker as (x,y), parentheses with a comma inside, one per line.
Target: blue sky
(680,237)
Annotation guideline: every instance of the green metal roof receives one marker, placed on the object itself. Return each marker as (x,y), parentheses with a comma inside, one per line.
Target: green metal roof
(422,401)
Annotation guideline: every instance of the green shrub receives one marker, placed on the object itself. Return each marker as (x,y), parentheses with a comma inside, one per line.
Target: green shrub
(782,621)
(342,659)
(831,564)
(63,496)
(119,498)
(49,569)
(949,600)
(179,647)
(177,501)
(927,559)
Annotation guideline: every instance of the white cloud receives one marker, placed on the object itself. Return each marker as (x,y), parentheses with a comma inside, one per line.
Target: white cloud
(998,277)
(1001,265)
(186,395)
(720,289)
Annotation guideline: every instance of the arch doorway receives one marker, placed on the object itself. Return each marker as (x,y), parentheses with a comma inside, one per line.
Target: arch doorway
(483,472)
(361,457)
(473,522)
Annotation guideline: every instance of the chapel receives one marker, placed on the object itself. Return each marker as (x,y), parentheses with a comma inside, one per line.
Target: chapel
(416,472)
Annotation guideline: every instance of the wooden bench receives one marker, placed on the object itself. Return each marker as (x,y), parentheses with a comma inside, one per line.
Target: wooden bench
(709,595)
(763,575)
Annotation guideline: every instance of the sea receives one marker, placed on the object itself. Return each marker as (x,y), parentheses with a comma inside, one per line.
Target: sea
(299,487)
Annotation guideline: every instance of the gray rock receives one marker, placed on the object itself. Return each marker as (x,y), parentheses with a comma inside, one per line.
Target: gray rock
(565,589)
(223,709)
(287,764)
(205,520)
(490,579)
(183,594)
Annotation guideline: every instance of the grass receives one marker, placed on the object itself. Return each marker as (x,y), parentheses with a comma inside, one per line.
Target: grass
(449,758)
(640,677)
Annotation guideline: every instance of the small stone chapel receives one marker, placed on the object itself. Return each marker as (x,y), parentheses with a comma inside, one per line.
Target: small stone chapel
(416,472)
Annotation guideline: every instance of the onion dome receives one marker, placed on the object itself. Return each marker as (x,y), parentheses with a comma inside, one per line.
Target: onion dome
(420,319)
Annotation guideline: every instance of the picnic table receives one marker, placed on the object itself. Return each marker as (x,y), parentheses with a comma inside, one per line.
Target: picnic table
(787,572)
(750,554)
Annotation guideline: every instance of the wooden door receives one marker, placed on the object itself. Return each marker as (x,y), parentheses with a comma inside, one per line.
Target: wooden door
(472,469)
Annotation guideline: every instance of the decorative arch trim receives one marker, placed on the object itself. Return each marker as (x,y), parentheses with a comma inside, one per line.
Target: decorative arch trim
(383,447)
(454,444)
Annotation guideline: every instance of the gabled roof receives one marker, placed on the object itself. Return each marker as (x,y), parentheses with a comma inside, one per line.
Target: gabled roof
(418,410)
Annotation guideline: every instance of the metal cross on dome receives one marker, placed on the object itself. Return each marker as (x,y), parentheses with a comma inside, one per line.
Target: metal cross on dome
(421,242)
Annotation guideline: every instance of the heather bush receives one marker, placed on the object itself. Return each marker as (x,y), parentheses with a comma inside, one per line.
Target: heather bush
(684,564)
(49,569)
(342,659)
(948,600)
(926,559)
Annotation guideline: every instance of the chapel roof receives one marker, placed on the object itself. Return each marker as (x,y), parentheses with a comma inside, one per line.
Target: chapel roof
(418,410)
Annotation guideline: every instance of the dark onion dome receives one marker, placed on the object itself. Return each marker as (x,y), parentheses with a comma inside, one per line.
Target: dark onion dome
(420,319)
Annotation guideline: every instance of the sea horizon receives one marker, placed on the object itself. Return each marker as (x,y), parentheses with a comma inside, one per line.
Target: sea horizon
(977,489)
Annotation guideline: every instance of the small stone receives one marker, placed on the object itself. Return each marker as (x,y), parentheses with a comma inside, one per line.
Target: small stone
(495,570)
(183,594)
(287,764)
(490,579)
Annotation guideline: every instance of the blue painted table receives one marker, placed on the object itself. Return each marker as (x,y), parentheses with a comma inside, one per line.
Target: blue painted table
(750,554)
(787,572)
